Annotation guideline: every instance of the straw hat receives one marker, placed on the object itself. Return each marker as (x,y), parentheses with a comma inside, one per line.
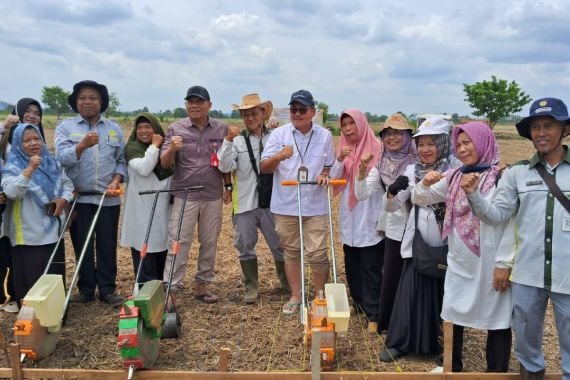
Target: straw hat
(253,100)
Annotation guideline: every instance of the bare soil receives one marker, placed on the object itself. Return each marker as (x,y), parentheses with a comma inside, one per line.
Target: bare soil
(259,336)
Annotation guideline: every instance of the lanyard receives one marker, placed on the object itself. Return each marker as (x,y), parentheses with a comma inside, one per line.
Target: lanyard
(306,148)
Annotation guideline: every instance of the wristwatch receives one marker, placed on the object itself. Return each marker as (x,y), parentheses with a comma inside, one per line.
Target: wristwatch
(228,186)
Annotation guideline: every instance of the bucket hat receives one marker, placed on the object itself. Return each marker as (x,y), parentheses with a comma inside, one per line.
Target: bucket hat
(101,89)
(552,107)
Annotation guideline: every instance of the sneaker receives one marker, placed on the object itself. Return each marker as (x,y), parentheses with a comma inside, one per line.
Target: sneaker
(10,307)
(113,300)
(82,298)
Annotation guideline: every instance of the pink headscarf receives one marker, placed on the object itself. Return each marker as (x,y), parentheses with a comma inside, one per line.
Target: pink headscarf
(367,143)
(458,212)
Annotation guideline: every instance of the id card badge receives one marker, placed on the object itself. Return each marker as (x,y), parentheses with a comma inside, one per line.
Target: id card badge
(566,223)
(303,174)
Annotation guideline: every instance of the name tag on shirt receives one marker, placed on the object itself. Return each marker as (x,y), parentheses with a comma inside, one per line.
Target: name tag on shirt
(566,223)
(534,183)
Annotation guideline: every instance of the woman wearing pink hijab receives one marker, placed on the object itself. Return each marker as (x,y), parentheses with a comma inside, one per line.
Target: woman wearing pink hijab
(362,243)
(478,252)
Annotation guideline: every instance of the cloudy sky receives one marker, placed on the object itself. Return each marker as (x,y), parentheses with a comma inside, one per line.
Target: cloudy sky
(379,56)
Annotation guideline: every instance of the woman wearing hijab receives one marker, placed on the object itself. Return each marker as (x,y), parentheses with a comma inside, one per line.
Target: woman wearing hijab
(145,173)
(26,111)
(362,243)
(415,322)
(475,254)
(37,190)
(386,177)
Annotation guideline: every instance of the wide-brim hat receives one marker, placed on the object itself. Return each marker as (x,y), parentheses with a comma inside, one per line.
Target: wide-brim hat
(555,108)
(433,126)
(101,89)
(250,101)
(396,121)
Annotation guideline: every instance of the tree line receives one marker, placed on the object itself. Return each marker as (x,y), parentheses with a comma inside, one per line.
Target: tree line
(495,100)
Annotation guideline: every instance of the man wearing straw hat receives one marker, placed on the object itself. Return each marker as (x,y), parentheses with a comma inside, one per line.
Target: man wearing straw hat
(240,153)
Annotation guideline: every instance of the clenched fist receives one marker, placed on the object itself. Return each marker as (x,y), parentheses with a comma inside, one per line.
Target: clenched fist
(157,140)
(470,182)
(233,131)
(432,177)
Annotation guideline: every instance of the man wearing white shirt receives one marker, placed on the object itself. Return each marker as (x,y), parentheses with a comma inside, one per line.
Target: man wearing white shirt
(300,144)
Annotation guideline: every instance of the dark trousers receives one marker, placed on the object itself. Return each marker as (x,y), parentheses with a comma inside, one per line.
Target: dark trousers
(363,266)
(390,279)
(152,266)
(6,269)
(497,351)
(99,267)
(29,263)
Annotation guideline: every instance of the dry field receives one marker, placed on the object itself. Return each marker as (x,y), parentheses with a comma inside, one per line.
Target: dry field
(259,336)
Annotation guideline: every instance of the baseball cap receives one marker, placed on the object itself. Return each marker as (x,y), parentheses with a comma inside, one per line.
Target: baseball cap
(304,97)
(199,92)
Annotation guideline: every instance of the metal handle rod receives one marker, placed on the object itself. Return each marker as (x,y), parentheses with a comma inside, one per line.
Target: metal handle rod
(302,242)
(333,258)
(145,244)
(190,188)
(60,237)
(82,255)
(175,248)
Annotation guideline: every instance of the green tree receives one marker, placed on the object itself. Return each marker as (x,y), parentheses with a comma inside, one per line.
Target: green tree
(179,113)
(495,99)
(55,98)
(325,107)
(114,105)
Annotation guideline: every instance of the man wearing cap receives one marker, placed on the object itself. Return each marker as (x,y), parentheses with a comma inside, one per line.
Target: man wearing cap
(238,154)
(91,148)
(190,149)
(300,146)
(542,258)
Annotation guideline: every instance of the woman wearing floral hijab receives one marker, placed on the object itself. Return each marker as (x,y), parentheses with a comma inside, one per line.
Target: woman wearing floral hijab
(362,244)
(415,323)
(32,179)
(387,177)
(145,173)
(475,252)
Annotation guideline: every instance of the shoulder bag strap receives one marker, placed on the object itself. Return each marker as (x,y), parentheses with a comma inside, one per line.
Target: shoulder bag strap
(251,156)
(550,181)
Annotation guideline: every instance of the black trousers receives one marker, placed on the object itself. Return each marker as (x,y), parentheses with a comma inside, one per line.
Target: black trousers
(6,269)
(363,267)
(29,263)
(497,351)
(152,266)
(390,280)
(99,267)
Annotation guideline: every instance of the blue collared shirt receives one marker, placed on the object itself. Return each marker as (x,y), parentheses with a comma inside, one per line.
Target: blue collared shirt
(98,164)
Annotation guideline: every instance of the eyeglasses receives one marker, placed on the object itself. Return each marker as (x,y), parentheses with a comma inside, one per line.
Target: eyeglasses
(302,111)
(252,114)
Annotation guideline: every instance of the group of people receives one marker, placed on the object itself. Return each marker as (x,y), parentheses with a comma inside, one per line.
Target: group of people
(438,191)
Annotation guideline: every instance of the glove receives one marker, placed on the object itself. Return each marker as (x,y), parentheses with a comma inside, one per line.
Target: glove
(401,183)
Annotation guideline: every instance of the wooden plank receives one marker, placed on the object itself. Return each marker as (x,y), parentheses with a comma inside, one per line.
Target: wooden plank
(16,372)
(224,359)
(447,346)
(90,374)
(316,355)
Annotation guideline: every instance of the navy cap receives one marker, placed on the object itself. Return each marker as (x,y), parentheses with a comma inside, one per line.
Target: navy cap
(199,92)
(552,107)
(304,97)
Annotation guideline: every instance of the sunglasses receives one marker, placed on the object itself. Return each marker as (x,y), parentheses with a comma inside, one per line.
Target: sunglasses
(302,111)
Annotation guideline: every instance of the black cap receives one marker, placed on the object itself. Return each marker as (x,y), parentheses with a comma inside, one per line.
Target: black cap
(101,89)
(304,97)
(199,92)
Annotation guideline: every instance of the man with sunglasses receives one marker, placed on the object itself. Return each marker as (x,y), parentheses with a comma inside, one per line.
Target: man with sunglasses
(300,150)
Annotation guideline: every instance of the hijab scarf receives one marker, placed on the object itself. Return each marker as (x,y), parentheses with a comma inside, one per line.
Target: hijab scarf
(394,163)
(46,181)
(136,149)
(367,143)
(20,109)
(458,212)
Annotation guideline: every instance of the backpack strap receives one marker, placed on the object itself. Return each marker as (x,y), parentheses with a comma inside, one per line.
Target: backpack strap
(550,181)
(251,156)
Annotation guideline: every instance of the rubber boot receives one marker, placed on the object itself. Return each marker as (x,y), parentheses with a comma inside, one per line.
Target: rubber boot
(280,267)
(527,375)
(251,283)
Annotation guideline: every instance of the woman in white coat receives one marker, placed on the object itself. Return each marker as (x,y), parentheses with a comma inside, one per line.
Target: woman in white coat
(473,295)
(145,173)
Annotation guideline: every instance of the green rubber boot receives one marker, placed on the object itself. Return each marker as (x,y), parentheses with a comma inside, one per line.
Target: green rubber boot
(280,267)
(251,283)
